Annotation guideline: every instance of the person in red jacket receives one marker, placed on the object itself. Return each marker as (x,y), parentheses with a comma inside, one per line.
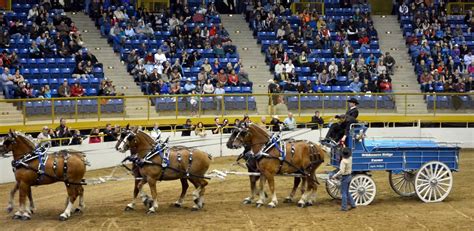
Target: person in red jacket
(233,79)
(385,86)
(94,136)
(77,90)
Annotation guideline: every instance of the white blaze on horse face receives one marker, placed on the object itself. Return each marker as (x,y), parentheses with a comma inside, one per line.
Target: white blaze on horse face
(121,147)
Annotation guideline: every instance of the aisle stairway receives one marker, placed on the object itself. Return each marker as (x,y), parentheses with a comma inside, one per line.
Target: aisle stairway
(9,114)
(404,79)
(135,108)
(252,58)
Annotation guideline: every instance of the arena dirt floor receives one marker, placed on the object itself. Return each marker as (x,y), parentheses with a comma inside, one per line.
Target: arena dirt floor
(223,208)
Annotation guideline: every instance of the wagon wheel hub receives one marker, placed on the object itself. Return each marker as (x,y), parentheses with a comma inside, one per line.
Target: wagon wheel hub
(433,182)
(361,190)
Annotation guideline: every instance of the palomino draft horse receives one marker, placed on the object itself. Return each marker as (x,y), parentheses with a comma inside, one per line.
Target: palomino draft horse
(302,157)
(158,162)
(34,168)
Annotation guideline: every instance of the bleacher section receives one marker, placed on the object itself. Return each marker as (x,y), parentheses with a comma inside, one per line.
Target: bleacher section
(268,37)
(52,70)
(166,34)
(453,44)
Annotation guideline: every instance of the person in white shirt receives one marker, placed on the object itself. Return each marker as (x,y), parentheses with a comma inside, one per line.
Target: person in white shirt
(290,122)
(130,32)
(160,57)
(345,172)
(468,58)
(289,66)
(44,137)
(219,92)
(279,68)
(155,132)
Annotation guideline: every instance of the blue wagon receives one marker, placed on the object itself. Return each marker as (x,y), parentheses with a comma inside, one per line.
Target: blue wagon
(416,167)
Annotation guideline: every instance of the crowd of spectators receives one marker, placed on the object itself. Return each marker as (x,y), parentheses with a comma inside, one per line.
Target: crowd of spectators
(48,37)
(299,44)
(438,48)
(160,71)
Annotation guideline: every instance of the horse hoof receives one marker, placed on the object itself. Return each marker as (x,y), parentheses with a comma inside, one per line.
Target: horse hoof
(259,205)
(246,202)
(301,205)
(16,217)
(177,205)
(309,204)
(9,209)
(25,218)
(62,218)
(194,209)
(148,203)
(149,212)
(128,208)
(271,206)
(288,200)
(78,211)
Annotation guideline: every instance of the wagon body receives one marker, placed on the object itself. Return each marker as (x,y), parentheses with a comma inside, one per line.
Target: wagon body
(416,166)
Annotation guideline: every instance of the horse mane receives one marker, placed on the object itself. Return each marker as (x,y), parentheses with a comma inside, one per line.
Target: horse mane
(27,140)
(147,138)
(259,129)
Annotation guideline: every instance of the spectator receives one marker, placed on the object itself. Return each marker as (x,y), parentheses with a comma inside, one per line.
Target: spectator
(200,130)
(94,136)
(187,128)
(189,86)
(385,86)
(160,57)
(77,138)
(62,131)
(109,133)
(276,123)
(208,88)
(233,79)
(64,90)
(389,63)
(7,83)
(219,92)
(45,92)
(290,122)
(77,90)
(155,131)
(355,86)
(44,137)
(316,121)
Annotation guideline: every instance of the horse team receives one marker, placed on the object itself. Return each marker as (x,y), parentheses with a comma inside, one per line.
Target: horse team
(154,160)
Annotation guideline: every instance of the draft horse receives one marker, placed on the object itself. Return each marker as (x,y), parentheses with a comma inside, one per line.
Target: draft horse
(157,162)
(302,157)
(33,168)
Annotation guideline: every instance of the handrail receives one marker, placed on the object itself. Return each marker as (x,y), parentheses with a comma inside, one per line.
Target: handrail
(462,7)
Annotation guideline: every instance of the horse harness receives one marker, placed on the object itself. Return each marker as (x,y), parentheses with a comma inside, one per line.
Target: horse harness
(40,154)
(164,153)
(276,142)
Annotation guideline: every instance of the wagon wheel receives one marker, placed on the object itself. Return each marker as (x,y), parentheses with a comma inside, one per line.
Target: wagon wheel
(333,188)
(403,183)
(362,189)
(433,182)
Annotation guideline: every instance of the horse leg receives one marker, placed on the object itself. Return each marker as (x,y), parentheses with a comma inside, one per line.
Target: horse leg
(184,189)
(72,193)
(304,194)
(271,185)
(30,198)
(82,206)
(314,187)
(138,189)
(11,203)
(23,212)
(154,194)
(198,200)
(296,183)
(253,190)
(261,192)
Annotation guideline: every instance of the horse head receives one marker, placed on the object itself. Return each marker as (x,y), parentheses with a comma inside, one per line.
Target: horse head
(238,137)
(124,143)
(16,143)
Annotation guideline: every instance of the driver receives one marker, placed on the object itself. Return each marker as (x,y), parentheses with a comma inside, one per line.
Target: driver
(337,130)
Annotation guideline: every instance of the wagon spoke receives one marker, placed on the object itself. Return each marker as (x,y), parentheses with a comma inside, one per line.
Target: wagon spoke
(444,179)
(442,175)
(426,191)
(422,172)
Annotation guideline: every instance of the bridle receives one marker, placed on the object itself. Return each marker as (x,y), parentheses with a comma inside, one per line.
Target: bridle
(123,142)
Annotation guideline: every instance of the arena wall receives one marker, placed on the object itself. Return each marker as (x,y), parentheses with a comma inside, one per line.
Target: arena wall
(103,155)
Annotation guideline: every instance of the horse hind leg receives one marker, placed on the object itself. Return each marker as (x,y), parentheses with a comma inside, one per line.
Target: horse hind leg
(72,192)
(82,205)
(32,204)
(271,185)
(261,192)
(198,198)
(138,189)
(296,183)
(184,189)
